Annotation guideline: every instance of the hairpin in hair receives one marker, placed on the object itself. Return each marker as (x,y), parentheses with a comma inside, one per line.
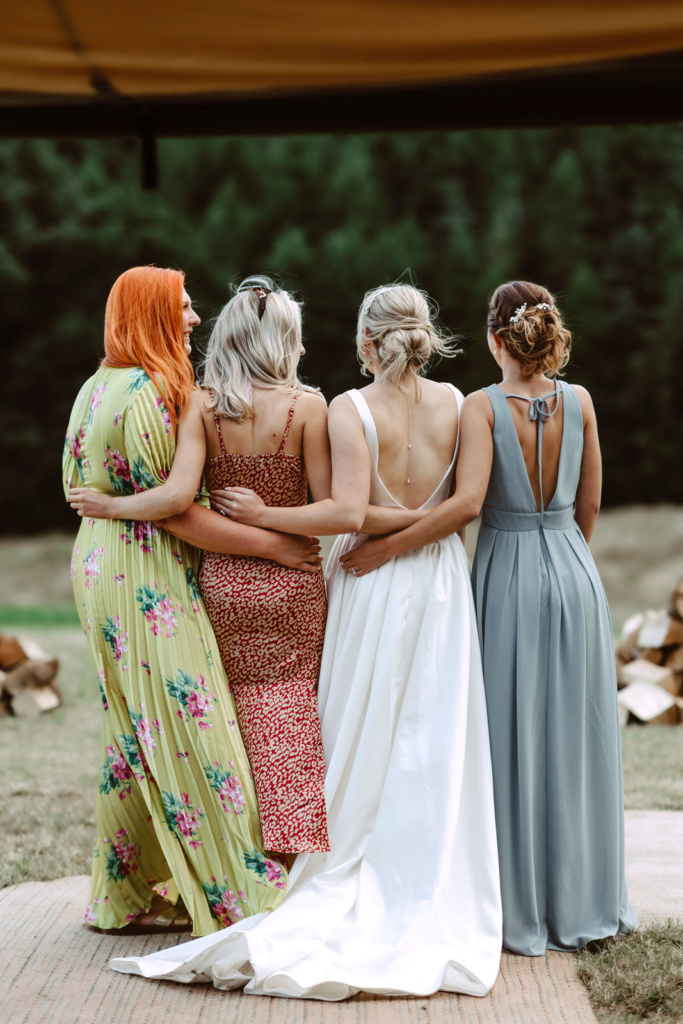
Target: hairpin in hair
(522,309)
(262,293)
(518,314)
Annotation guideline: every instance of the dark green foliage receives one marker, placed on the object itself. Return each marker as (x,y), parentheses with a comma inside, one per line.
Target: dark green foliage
(596,214)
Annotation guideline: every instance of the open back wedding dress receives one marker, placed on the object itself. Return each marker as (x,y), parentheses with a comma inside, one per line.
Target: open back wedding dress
(408,899)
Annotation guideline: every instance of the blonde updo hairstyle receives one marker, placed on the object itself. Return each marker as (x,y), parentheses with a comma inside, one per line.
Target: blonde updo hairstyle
(399,321)
(246,350)
(526,319)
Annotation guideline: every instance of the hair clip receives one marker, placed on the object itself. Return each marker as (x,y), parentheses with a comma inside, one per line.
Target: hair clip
(544,305)
(262,293)
(518,314)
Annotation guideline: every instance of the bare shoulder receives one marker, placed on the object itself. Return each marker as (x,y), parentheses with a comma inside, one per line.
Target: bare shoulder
(312,404)
(194,406)
(478,404)
(438,393)
(585,399)
(342,411)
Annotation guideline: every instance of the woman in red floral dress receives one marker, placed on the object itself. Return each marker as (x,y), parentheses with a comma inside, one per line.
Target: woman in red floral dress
(268,432)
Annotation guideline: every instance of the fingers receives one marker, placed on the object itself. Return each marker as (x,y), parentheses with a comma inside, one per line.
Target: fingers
(349,555)
(218,502)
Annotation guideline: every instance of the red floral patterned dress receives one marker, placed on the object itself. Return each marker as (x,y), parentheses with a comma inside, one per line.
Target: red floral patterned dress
(270,623)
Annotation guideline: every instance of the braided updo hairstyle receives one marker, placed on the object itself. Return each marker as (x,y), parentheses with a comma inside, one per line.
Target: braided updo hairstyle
(400,323)
(525,318)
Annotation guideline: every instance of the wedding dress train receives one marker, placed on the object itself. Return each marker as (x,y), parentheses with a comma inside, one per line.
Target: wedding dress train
(408,899)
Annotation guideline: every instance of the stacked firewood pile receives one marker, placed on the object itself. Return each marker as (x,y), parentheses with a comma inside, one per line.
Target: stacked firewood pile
(27,678)
(650,665)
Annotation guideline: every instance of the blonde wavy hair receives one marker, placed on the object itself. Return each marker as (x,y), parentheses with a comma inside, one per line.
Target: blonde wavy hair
(526,319)
(400,322)
(246,350)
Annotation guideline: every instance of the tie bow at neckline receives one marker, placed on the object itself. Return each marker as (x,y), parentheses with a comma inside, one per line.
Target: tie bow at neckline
(539,409)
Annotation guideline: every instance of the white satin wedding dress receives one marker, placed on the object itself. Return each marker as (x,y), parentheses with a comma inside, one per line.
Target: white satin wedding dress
(408,900)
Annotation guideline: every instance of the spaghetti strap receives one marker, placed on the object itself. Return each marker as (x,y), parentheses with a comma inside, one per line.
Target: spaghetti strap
(217,421)
(287,426)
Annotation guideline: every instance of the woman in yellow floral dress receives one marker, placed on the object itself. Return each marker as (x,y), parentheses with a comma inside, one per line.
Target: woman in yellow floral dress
(176,812)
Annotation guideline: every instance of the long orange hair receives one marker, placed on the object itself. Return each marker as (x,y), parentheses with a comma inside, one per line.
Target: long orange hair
(143,326)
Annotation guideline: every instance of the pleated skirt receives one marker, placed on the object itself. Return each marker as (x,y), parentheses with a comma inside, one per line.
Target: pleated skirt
(549,674)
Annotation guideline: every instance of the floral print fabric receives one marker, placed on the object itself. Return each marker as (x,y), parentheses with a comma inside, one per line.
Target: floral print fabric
(269,622)
(176,808)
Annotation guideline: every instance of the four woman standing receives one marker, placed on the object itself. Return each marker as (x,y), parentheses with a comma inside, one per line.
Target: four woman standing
(401,695)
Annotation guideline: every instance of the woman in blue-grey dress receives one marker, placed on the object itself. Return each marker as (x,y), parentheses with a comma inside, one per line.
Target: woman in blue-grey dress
(530,461)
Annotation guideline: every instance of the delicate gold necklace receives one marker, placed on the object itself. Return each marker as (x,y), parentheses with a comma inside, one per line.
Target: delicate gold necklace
(406,392)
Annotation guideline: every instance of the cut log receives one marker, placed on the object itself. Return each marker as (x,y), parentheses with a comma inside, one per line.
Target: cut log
(28,703)
(677,601)
(674,660)
(642,671)
(4,703)
(631,629)
(660,630)
(31,674)
(32,649)
(654,654)
(649,703)
(623,654)
(11,652)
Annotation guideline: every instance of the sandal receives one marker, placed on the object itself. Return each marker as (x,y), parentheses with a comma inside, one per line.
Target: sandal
(168,919)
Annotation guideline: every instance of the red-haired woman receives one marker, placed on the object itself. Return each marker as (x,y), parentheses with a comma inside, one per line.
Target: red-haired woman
(177,814)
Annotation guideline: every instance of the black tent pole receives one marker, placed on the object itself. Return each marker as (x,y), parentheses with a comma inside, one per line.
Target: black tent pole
(149,168)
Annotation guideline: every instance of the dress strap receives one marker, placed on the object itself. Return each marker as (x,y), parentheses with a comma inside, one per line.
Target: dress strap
(369,428)
(287,426)
(217,421)
(459,399)
(538,407)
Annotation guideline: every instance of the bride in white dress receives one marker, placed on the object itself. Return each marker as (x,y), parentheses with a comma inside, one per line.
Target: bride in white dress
(408,900)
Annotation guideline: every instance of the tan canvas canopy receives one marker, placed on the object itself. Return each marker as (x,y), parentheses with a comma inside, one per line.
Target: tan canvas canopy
(169,48)
(216,66)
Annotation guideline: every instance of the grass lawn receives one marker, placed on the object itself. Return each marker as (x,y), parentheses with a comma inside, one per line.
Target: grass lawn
(653,767)
(49,771)
(638,977)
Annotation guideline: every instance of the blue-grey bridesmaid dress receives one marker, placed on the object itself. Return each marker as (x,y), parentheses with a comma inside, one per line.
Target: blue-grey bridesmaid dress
(546,639)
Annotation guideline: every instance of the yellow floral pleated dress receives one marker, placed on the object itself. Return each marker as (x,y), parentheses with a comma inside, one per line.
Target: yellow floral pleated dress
(177,811)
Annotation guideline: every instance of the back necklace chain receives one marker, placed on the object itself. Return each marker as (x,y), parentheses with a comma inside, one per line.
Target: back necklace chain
(406,392)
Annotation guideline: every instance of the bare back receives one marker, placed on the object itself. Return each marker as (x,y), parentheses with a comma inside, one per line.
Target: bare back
(260,434)
(528,436)
(429,425)
(305,433)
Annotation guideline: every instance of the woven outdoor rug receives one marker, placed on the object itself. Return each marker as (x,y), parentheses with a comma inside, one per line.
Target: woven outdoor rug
(654,840)
(54,971)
